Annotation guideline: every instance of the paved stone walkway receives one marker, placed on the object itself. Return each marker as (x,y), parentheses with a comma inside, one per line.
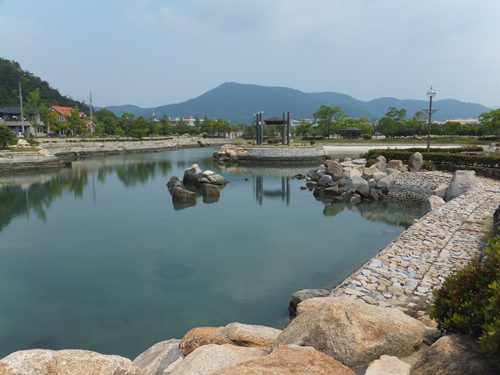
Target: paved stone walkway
(410,267)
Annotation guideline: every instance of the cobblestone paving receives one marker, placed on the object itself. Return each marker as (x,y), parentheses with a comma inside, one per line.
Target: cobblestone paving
(409,268)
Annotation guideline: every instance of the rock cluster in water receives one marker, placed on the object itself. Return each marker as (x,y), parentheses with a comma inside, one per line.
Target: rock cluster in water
(194,177)
(353,182)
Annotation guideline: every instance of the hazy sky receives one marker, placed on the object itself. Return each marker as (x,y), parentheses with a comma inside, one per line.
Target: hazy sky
(155,52)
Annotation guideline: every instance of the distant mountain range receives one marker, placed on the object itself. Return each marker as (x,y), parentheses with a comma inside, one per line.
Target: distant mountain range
(238,102)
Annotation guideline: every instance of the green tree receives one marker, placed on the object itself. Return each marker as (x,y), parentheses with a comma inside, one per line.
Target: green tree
(304,129)
(75,122)
(423,119)
(451,128)
(491,120)
(197,122)
(51,120)
(208,126)
(222,126)
(166,125)
(109,124)
(326,118)
(34,108)
(139,127)
(6,136)
(181,126)
(99,127)
(392,123)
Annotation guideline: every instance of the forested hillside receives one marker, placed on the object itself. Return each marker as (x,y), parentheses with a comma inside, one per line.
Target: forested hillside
(11,74)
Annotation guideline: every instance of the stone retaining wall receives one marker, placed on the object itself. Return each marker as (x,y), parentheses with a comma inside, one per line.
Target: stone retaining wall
(415,263)
(281,153)
(58,154)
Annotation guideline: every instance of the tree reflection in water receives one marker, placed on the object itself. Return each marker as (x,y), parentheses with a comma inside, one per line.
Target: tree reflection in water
(25,192)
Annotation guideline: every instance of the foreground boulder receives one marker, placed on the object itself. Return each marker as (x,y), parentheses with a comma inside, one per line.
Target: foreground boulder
(159,358)
(353,332)
(454,355)
(65,362)
(461,182)
(210,358)
(251,335)
(288,360)
(200,336)
(304,294)
(388,365)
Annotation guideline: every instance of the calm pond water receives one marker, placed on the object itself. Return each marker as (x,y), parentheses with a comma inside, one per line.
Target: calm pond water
(97,256)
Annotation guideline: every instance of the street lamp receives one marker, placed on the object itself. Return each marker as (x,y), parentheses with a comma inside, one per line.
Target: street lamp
(430,94)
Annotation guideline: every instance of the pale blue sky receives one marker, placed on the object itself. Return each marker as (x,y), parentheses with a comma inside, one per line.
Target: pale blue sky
(155,52)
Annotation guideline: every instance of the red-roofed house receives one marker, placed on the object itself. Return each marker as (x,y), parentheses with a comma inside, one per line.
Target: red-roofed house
(66,111)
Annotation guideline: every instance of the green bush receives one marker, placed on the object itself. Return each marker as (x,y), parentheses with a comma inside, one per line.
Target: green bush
(490,339)
(312,142)
(253,143)
(469,302)
(367,136)
(369,163)
(428,165)
(446,156)
(237,143)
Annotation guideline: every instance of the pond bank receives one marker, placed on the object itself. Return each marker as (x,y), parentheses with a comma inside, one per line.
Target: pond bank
(415,263)
(60,154)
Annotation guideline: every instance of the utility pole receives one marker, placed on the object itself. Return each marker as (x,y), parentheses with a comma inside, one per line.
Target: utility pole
(21,102)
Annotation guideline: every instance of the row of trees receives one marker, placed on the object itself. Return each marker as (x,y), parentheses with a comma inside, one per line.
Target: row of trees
(329,120)
(139,127)
(395,124)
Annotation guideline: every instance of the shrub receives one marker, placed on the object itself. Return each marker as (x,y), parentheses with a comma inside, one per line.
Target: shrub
(237,143)
(490,339)
(312,142)
(253,143)
(469,302)
(428,165)
(367,136)
(369,163)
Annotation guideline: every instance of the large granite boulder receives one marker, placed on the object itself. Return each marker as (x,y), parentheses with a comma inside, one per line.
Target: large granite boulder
(333,167)
(179,192)
(311,303)
(461,182)
(358,185)
(325,182)
(65,362)
(212,178)
(192,175)
(160,355)
(254,336)
(288,360)
(354,333)
(209,358)
(304,294)
(388,365)
(415,162)
(200,336)
(431,203)
(440,191)
(386,184)
(454,355)
(395,164)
